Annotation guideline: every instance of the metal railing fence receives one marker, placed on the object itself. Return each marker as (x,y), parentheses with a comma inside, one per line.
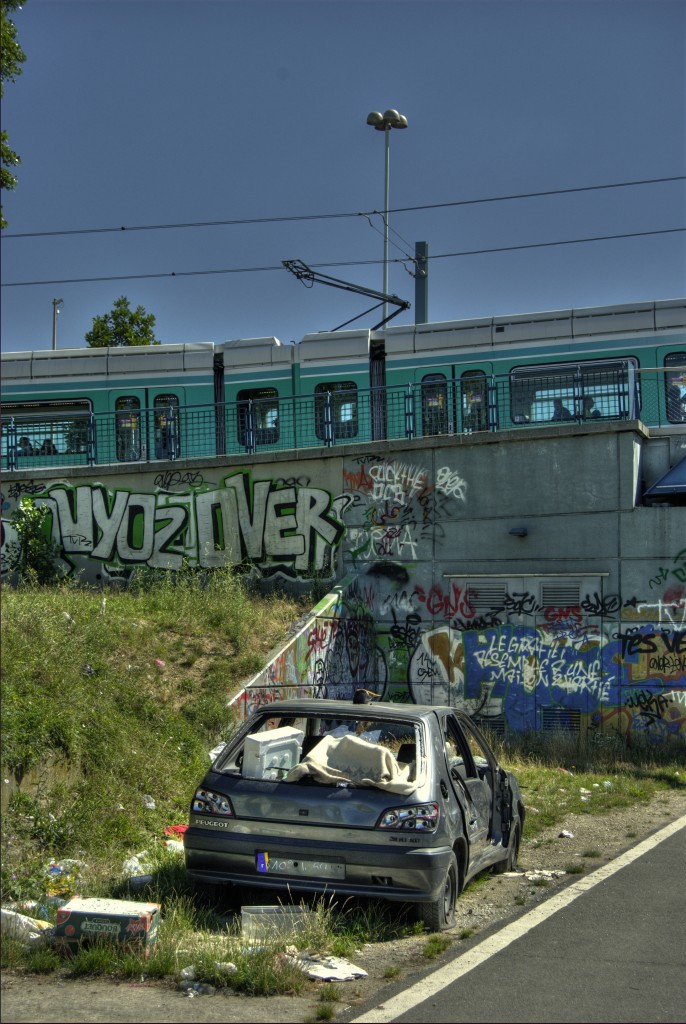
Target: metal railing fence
(328,420)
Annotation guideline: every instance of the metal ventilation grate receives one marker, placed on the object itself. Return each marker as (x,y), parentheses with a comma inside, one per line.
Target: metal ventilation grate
(484,596)
(561,720)
(494,725)
(562,594)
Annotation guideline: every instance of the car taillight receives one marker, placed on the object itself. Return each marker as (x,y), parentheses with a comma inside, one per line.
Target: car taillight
(207,802)
(411,817)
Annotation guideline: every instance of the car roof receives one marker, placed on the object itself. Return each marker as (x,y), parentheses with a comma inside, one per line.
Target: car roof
(335,708)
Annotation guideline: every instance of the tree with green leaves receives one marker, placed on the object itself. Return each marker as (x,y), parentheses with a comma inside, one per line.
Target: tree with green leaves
(11,58)
(122,327)
(33,556)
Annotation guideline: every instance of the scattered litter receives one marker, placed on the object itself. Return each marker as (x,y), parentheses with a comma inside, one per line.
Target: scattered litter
(86,920)
(88,670)
(174,845)
(273,922)
(596,785)
(65,867)
(584,800)
(139,881)
(175,831)
(565,772)
(28,930)
(148,802)
(327,968)
(585,792)
(160,663)
(216,751)
(531,810)
(188,973)
(137,865)
(566,834)
(63,875)
(225,968)
(68,618)
(608,785)
(541,875)
(195,988)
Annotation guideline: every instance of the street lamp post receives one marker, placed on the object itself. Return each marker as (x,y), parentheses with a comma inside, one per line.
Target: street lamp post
(56,303)
(383,123)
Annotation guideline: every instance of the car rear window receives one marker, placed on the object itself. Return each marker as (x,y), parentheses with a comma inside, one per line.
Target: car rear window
(346,750)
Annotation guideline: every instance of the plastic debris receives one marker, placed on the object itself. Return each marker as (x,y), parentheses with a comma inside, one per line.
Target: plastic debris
(28,930)
(327,968)
(531,810)
(175,831)
(566,834)
(585,792)
(139,881)
(225,967)
(584,800)
(137,865)
(216,751)
(196,988)
(88,670)
(148,802)
(174,845)
(541,875)
(608,785)
(160,663)
(68,618)
(188,973)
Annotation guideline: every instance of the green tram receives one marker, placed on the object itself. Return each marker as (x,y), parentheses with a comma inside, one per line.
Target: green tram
(205,400)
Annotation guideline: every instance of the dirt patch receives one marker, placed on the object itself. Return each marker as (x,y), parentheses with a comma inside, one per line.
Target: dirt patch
(594,840)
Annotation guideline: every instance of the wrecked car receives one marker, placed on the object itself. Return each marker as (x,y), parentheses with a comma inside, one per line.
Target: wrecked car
(398,801)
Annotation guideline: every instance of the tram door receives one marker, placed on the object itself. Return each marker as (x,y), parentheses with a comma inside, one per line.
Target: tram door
(147,424)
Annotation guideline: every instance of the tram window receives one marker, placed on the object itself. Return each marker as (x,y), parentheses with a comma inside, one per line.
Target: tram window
(128,428)
(675,387)
(434,404)
(47,428)
(258,416)
(341,407)
(167,433)
(474,400)
(580,391)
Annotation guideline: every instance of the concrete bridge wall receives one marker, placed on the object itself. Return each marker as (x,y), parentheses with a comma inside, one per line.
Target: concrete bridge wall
(518,577)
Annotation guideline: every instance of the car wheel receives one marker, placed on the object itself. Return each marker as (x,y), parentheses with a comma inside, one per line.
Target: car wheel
(440,914)
(509,863)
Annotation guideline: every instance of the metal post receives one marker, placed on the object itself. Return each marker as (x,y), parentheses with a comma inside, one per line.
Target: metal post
(387,134)
(56,303)
(421,282)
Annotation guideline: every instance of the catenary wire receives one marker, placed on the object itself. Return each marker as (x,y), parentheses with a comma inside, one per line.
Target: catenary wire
(334,216)
(345,263)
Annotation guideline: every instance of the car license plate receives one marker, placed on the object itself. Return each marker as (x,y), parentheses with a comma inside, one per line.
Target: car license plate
(271,864)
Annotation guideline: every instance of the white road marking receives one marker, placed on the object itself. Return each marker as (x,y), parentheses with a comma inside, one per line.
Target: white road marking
(444,976)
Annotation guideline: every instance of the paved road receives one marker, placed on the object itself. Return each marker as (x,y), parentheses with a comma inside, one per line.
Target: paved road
(616,953)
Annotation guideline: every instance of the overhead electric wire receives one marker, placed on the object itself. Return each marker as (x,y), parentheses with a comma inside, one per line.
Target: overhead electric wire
(235,222)
(345,263)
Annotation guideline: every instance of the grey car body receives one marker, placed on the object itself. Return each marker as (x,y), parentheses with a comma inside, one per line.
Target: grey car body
(404,802)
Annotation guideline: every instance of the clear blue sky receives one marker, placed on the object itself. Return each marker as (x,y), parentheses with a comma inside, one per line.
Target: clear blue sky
(146,112)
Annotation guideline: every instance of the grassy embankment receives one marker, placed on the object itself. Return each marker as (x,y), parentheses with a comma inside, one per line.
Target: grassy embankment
(125,696)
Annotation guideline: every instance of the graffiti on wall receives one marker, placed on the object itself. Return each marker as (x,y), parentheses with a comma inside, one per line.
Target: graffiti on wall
(329,658)
(294,530)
